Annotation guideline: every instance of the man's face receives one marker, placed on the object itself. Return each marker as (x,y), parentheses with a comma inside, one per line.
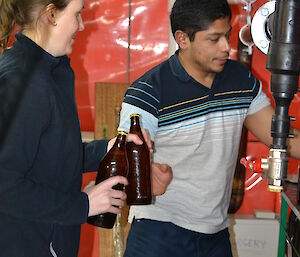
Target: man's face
(210,49)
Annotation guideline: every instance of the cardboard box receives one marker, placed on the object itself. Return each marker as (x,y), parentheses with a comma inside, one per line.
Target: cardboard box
(253,237)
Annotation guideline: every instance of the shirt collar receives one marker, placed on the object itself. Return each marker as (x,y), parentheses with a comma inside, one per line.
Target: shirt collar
(179,72)
(37,52)
(177,69)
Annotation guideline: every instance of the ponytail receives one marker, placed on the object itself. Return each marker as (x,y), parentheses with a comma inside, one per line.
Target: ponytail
(8,16)
(20,12)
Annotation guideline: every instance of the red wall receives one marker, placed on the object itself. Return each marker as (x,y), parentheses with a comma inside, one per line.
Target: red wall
(100,51)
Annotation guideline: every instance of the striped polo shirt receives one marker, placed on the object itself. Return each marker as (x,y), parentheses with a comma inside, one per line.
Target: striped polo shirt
(196,131)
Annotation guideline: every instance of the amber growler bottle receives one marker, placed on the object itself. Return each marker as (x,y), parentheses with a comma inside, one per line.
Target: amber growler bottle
(139,191)
(114,163)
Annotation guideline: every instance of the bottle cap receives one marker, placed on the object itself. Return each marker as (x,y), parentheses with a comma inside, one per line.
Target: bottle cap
(121,132)
(134,114)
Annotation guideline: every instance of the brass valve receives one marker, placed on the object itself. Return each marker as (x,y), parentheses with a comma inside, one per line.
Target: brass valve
(274,168)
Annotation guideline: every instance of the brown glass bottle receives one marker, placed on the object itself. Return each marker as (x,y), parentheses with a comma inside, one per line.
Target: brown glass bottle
(114,163)
(238,185)
(139,190)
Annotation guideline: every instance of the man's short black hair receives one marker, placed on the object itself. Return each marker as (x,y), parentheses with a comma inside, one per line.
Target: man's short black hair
(191,16)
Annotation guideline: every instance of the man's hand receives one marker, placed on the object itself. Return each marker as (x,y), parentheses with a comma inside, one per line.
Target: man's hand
(134,138)
(161,178)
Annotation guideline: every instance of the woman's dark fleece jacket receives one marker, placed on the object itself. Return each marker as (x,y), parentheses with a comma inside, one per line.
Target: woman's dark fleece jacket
(42,157)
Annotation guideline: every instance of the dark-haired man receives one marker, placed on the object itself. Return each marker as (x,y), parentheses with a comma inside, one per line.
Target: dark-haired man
(194,106)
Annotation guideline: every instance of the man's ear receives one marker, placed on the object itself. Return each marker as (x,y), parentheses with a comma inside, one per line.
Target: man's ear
(181,39)
(51,14)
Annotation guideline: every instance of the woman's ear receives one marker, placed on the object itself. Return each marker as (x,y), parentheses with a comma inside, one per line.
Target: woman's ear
(181,39)
(51,14)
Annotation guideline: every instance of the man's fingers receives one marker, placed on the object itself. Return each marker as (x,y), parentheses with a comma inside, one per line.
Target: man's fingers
(134,138)
(147,139)
(160,167)
(161,178)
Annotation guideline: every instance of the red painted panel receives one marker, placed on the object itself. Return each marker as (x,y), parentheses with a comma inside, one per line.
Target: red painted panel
(100,51)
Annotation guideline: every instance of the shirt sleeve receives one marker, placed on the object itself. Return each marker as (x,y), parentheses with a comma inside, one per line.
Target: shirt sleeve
(93,153)
(143,94)
(260,101)
(142,97)
(148,121)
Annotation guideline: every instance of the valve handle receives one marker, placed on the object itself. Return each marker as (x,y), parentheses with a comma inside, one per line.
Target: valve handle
(254,166)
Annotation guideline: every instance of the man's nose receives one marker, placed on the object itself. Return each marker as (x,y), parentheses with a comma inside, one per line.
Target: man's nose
(225,45)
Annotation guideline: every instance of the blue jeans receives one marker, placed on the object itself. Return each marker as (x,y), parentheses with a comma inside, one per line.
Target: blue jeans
(149,238)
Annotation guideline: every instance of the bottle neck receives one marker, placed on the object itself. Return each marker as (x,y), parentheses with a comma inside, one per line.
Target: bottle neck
(134,124)
(120,141)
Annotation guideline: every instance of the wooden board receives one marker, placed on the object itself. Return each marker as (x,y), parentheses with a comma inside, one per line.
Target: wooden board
(109,97)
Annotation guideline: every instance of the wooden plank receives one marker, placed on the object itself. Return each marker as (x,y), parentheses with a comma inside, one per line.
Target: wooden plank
(109,97)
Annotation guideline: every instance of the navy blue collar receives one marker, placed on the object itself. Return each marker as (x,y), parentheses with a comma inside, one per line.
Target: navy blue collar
(179,72)
(37,52)
(177,69)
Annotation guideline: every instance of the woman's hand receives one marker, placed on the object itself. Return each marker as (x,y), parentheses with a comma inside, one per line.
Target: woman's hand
(161,178)
(102,198)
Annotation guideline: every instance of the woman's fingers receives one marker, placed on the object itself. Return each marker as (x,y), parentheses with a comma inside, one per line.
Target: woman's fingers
(103,198)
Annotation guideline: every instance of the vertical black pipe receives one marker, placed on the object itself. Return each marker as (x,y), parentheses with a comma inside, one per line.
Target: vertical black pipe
(283,61)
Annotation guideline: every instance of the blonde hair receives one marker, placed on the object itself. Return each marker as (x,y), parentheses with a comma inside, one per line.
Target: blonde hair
(20,13)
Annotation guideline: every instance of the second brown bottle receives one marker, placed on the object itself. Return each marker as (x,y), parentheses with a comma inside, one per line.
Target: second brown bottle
(139,191)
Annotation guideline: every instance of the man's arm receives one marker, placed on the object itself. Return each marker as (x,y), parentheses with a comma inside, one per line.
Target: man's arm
(259,124)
